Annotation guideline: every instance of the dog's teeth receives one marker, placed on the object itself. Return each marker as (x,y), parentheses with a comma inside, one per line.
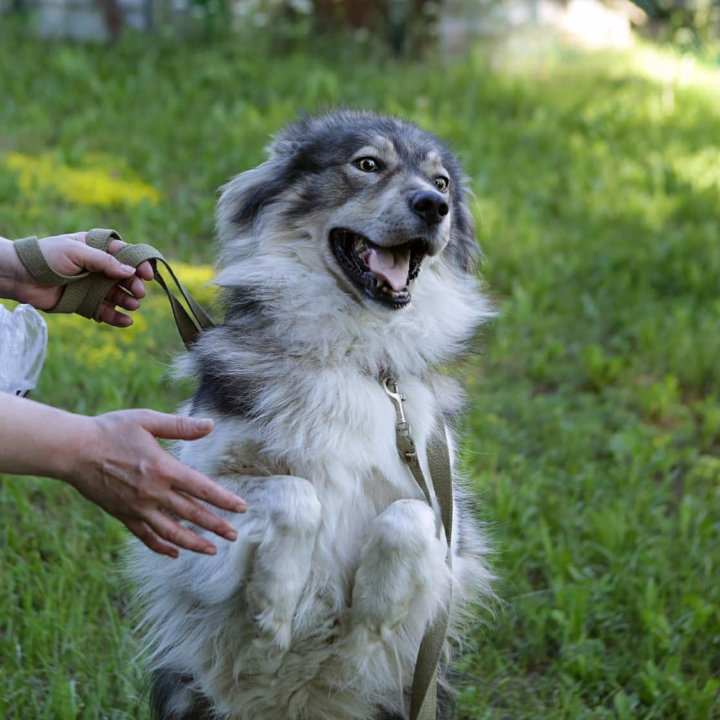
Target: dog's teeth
(359,245)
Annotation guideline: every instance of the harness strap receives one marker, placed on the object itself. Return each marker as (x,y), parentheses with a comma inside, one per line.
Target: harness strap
(84,292)
(423,695)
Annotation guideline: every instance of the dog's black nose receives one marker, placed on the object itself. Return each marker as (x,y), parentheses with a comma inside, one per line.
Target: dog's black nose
(429,205)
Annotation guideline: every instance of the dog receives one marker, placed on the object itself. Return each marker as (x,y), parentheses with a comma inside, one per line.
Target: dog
(347,257)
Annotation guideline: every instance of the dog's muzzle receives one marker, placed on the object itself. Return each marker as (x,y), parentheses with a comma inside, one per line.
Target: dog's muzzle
(385,274)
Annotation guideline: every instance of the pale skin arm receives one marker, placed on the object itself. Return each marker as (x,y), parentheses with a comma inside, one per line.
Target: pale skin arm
(115,461)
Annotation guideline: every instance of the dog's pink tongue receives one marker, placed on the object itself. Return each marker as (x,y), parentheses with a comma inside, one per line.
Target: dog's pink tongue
(392,266)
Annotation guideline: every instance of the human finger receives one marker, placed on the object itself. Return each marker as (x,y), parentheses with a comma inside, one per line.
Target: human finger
(144,269)
(173,427)
(89,258)
(172,531)
(199,486)
(143,532)
(134,285)
(122,298)
(188,509)
(184,478)
(108,314)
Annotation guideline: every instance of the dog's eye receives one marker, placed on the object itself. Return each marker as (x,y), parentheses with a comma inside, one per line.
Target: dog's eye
(367,164)
(441,183)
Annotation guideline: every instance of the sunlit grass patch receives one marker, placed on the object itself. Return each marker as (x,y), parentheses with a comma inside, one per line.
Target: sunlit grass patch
(701,170)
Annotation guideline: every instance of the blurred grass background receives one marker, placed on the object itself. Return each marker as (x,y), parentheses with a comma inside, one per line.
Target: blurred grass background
(593,431)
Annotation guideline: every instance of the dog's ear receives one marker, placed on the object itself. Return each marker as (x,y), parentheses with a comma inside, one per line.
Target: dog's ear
(463,244)
(245,196)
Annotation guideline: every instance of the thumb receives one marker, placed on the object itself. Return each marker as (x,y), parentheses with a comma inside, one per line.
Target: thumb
(99,261)
(174,427)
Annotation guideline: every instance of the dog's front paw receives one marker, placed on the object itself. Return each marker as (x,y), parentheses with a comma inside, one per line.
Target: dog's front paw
(281,564)
(402,574)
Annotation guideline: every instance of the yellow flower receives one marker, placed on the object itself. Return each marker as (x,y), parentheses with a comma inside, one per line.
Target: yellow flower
(90,184)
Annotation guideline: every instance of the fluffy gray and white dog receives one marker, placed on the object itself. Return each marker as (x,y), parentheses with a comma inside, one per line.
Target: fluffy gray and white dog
(347,256)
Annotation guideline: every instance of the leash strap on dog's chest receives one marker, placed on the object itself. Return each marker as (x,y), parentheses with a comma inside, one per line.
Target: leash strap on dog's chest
(84,293)
(423,696)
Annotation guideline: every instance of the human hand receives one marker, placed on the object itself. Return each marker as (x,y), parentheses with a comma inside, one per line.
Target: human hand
(120,467)
(69,255)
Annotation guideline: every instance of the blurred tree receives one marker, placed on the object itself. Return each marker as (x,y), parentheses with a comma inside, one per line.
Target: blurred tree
(406,24)
(113,17)
(691,24)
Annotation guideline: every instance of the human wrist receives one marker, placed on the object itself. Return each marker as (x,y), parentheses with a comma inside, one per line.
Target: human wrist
(12,271)
(37,439)
(75,448)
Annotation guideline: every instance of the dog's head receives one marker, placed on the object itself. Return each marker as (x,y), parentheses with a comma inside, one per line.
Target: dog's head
(372,199)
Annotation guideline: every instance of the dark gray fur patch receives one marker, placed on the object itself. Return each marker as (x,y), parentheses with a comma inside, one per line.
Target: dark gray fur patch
(221,387)
(223,393)
(166,686)
(463,246)
(263,195)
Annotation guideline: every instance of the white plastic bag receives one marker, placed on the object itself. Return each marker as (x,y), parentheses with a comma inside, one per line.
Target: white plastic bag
(23,344)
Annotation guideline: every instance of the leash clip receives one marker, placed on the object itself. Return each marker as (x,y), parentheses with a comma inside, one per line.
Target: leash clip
(391,388)
(405,442)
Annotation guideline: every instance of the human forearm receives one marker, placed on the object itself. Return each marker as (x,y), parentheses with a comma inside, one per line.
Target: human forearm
(37,439)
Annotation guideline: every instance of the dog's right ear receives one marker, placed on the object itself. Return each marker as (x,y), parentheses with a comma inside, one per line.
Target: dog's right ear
(243,199)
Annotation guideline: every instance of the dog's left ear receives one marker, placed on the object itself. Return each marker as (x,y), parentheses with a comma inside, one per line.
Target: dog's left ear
(463,246)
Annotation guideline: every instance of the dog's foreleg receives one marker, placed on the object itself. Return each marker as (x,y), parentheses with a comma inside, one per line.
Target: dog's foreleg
(282,558)
(402,574)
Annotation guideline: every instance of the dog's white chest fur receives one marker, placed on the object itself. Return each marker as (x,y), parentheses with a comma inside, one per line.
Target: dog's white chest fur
(317,611)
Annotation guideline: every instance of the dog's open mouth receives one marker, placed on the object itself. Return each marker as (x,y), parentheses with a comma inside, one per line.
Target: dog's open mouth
(384,273)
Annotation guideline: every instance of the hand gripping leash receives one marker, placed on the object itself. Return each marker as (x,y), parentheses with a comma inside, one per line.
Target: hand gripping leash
(83,293)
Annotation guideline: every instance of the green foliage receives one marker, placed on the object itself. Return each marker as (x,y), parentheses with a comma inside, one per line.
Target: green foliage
(593,433)
(692,25)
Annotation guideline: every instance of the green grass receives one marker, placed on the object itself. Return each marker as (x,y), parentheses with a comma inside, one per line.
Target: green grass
(593,432)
